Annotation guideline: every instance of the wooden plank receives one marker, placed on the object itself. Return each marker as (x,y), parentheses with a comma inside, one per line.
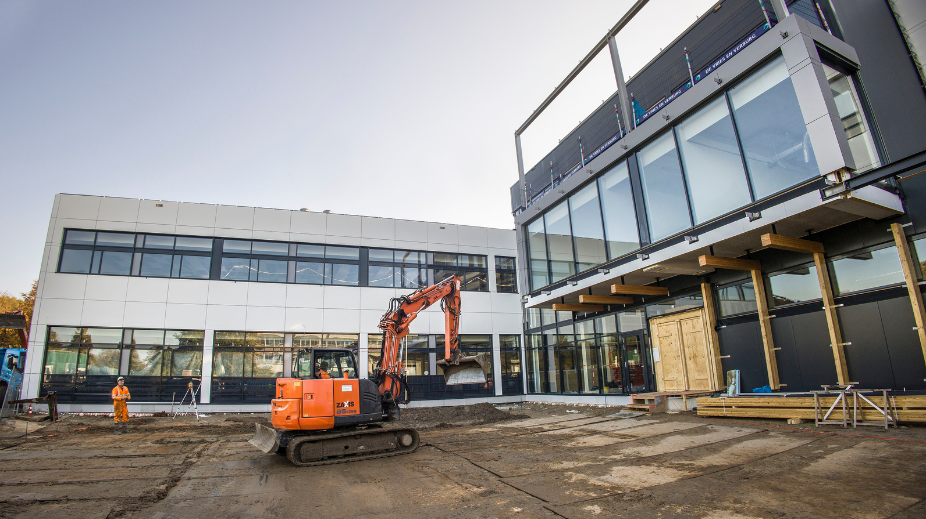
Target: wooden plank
(807,414)
(672,362)
(728,263)
(710,316)
(913,288)
(639,290)
(698,370)
(832,320)
(606,300)
(777,241)
(765,325)
(560,307)
(906,401)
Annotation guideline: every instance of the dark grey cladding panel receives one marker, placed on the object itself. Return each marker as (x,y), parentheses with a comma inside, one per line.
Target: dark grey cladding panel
(516,195)
(741,348)
(887,73)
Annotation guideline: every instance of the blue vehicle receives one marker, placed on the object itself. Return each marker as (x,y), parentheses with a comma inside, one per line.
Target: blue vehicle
(11,371)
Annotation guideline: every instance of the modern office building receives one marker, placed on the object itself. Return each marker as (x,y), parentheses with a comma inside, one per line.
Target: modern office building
(758,211)
(167,293)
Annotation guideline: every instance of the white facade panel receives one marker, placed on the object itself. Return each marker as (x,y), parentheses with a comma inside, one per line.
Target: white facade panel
(343,225)
(342,297)
(234,217)
(266,294)
(307,222)
(144,315)
(103,313)
(158,212)
(303,320)
(265,319)
(196,215)
(185,317)
(411,231)
(275,220)
(340,320)
(147,290)
(305,296)
(119,209)
(191,291)
(222,317)
(79,207)
(61,312)
(228,292)
(65,286)
(106,288)
(377,228)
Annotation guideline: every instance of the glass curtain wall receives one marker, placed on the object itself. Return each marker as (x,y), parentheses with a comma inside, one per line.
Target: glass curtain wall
(559,239)
(510,351)
(866,270)
(81,364)
(611,359)
(861,141)
(663,188)
(772,130)
(537,251)
(795,285)
(587,358)
(245,366)
(587,233)
(618,213)
(737,298)
(536,364)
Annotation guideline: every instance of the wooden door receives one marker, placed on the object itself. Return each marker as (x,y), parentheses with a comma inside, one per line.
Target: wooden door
(671,360)
(694,345)
(685,361)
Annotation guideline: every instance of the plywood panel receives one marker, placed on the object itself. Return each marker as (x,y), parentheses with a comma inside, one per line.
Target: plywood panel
(696,355)
(671,359)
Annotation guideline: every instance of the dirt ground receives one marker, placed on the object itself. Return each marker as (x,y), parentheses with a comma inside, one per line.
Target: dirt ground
(530,460)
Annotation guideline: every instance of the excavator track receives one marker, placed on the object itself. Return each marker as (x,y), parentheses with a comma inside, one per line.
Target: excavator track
(351,445)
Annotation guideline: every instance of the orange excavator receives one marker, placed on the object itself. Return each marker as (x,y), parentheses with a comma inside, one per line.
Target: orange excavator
(324,414)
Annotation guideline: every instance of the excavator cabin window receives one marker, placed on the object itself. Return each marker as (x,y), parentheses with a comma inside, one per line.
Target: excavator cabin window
(326,363)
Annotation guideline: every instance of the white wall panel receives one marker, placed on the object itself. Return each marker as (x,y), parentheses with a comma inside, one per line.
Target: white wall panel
(50,258)
(193,291)
(234,217)
(410,230)
(103,313)
(119,209)
(238,234)
(65,286)
(228,292)
(304,320)
(152,290)
(60,312)
(106,288)
(267,294)
(196,215)
(191,230)
(306,238)
(342,297)
(476,302)
(185,317)
(473,236)
(377,228)
(106,225)
(443,233)
(411,245)
(341,321)
(266,319)
(343,225)
(377,244)
(507,324)
(372,298)
(347,241)
(50,233)
(276,220)
(166,214)
(155,228)
(79,207)
(369,319)
(476,322)
(305,296)
(270,236)
(230,318)
(422,325)
(502,239)
(144,315)
(307,222)
(61,224)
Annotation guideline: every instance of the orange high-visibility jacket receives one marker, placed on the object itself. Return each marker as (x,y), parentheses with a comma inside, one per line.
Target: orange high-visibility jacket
(121,391)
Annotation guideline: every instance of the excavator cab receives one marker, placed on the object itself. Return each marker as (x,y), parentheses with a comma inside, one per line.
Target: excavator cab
(325,363)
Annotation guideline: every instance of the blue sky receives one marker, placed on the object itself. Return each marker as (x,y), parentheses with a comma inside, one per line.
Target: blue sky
(398,109)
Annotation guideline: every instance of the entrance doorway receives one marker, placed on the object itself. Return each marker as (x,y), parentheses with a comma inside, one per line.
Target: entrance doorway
(624,363)
(682,352)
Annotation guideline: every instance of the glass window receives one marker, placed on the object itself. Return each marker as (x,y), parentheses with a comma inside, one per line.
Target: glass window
(347,253)
(186,363)
(345,274)
(237,246)
(75,261)
(381,255)
(272,271)
(737,298)
(611,369)
(504,263)
(237,269)
(620,219)
(156,265)
(864,270)
(381,276)
(559,238)
(228,363)
(587,356)
(406,257)
(118,263)
(919,256)
(712,162)
(102,335)
(533,318)
(772,130)
(475,281)
(537,248)
(175,268)
(313,273)
(442,258)
(159,242)
(195,267)
(193,244)
(115,239)
(60,361)
(506,282)
(145,363)
(79,237)
(184,338)
(472,260)
(270,248)
(66,334)
(663,188)
(151,337)
(795,285)
(102,361)
(310,251)
(587,232)
(413,277)
(861,143)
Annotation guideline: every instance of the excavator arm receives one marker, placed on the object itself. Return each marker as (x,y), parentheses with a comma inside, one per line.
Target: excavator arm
(458,369)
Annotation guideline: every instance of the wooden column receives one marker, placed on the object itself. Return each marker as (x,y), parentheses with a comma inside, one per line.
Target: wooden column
(710,314)
(765,325)
(832,321)
(913,287)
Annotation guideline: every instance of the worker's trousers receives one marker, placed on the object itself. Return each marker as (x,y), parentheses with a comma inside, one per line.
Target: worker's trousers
(120,411)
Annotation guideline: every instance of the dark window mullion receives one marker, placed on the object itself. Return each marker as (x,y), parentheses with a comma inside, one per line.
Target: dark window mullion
(681,169)
(739,146)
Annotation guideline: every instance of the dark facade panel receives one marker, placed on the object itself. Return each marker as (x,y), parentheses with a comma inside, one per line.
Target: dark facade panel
(903,343)
(743,343)
(887,73)
(812,341)
(867,357)
(789,366)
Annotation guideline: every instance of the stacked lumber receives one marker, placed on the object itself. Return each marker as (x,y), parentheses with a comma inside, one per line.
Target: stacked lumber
(909,408)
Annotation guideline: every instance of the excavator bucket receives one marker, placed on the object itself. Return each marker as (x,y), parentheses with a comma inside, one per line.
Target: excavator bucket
(465,370)
(265,439)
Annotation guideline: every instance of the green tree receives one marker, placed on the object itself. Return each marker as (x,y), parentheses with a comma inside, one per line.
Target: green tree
(24,303)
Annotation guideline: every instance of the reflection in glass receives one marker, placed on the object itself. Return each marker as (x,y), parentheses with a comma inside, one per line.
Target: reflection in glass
(156,265)
(115,239)
(712,162)
(737,298)
(103,361)
(475,281)
(344,274)
(586,227)
(187,363)
(794,286)
(611,357)
(195,267)
(772,130)
(184,338)
(861,143)
(620,219)
(537,248)
(79,237)
(159,242)
(536,365)
(237,246)
(75,261)
(236,269)
(636,377)
(588,366)
(310,251)
(154,337)
(380,276)
(349,253)
(60,361)
(272,271)
(145,363)
(117,263)
(270,248)
(663,188)
(562,263)
(313,273)
(381,255)
(566,368)
(196,244)
(866,270)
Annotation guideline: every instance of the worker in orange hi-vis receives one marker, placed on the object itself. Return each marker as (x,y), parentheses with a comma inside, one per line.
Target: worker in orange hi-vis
(120,395)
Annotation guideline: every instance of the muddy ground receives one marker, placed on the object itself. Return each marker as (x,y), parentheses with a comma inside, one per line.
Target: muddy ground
(474,461)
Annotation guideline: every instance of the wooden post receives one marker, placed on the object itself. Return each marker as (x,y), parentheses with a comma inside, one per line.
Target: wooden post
(765,325)
(913,287)
(832,321)
(710,315)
